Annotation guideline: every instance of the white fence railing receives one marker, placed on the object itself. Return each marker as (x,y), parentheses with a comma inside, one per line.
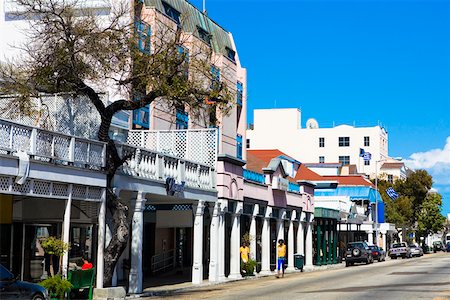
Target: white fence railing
(51,146)
(196,145)
(149,164)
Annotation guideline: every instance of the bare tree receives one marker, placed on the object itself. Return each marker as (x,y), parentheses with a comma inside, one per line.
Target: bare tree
(73,49)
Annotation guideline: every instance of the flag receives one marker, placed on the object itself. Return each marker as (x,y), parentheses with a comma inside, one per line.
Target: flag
(392,193)
(361,152)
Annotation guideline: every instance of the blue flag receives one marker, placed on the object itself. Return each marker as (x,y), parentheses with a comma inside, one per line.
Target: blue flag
(392,193)
(361,152)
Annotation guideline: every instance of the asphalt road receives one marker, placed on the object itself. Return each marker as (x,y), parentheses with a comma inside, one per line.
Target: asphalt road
(427,277)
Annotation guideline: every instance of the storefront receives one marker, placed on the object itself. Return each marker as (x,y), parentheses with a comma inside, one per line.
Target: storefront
(325,236)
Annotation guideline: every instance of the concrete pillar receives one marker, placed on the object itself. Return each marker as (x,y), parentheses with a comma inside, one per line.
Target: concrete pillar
(235,258)
(101,241)
(137,227)
(253,232)
(197,265)
(300,239)
(290,243)
(335,243)
(330,242)
(214,245)
(221,239)
(370,237)
(308,245)
(383,239)
(265,243)
(66,230)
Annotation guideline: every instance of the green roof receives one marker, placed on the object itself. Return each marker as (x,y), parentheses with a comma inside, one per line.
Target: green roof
(191,18)
(326,213)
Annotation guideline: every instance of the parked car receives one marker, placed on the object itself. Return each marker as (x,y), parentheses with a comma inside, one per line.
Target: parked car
(358,252)
(438,246)
(416,250)
(448,246)
(400,250)
(12,288)
(378,253)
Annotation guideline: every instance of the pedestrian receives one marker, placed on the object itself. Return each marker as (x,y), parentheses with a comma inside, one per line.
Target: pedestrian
(245,252)
(281,257)
(86,265)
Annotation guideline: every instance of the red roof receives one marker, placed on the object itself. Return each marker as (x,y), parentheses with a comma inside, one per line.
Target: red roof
(303,173)
(350,180)
(267,155)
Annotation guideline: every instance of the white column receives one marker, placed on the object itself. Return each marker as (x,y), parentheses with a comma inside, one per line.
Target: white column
(253,232)
(137,227)
(383,238)
(221,242)
(101,240)
(197,266)
(235,259)
(300,239)
(265,242)
(214,245)
(308,245)
(370,237)
(290,253)
(66,230)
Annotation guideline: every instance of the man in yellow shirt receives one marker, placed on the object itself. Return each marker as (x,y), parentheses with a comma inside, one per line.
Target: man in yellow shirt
(245,252)
(281,257)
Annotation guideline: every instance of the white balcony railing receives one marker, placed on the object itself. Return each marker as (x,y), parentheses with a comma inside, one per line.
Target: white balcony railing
(51,146)
(148,164)
(195,145)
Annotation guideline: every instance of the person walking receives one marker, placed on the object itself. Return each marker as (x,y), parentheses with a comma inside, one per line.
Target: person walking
(281,257)
(245,252)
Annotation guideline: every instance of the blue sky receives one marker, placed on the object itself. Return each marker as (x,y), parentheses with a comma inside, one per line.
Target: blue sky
(356,62)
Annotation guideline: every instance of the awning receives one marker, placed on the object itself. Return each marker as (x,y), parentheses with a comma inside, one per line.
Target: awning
(354,192)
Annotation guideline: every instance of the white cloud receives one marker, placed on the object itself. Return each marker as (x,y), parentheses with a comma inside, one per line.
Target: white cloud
(435,161)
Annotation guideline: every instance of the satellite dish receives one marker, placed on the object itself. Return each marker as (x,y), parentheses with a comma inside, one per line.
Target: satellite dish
(312,124)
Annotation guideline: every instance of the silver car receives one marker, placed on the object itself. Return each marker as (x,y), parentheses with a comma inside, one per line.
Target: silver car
(416,250)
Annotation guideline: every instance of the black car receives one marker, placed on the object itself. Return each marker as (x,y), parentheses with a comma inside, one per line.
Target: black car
(358,252)
(378,253)
(12,288)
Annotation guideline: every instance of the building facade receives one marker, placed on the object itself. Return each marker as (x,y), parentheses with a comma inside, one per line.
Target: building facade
(312,144)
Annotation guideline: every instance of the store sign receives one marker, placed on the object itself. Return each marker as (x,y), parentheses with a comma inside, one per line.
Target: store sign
(172,187)
(279,183)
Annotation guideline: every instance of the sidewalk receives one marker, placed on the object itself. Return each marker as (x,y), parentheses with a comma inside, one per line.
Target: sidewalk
(167,289)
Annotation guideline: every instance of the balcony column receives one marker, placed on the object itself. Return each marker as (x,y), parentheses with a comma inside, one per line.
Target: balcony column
(265,243)
(197,266)
(300,237)
(214,245)
(308,245)
(290,242)
(137,226)
(253,232)
(66,230)
(235,258)
(101,240)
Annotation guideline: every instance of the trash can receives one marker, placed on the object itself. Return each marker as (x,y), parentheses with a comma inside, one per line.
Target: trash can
(299,261)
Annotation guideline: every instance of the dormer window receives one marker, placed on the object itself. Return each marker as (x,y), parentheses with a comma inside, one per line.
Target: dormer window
(204,35)
(171,12)
(231,54)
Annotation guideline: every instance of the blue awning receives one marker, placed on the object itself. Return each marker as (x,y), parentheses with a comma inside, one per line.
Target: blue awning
(354,192)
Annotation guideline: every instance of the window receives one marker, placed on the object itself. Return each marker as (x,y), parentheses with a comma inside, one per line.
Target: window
(321,142)
(141,118)
(239,146)
(239,93)
(231,54)
(344,141)
(321,159)
(367,162)
(390,178)
(344,160)
(143,34)
(247,144)
(172,12)
(366,141)
(184,66)
(204,35)
(215,78)
(182,119)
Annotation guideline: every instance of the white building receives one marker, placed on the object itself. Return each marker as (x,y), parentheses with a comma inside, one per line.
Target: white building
(312,144)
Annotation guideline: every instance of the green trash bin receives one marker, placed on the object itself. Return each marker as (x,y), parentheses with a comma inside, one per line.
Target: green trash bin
(299,261)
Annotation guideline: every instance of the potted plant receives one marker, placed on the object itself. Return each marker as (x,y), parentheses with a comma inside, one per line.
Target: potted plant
(248,269)
(56,286)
